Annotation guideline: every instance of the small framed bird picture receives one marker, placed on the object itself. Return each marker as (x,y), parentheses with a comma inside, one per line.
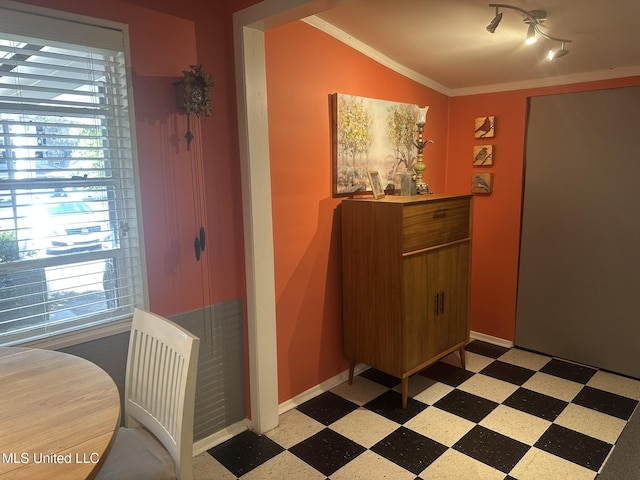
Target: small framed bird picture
(482,155)
(482,183)
(485,127)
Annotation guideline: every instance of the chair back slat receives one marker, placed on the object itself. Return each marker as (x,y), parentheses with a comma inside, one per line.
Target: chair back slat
(160,383)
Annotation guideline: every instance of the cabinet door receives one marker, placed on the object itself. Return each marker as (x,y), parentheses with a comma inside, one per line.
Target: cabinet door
(452,296)
(420,272)
(436,300)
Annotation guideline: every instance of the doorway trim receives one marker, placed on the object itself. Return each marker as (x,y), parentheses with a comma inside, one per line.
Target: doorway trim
(249,26)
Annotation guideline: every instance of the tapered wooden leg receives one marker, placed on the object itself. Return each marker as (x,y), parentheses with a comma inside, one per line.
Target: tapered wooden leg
(463,358)
(352,367)
(405,391)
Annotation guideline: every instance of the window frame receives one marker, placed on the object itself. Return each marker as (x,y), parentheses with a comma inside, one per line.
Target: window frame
(113,326)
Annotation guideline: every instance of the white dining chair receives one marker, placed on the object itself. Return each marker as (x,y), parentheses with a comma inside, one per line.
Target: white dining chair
(157,439)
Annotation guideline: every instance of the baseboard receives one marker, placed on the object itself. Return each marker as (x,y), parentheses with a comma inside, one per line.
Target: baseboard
(501,342)
(318,389)
(219,437)
(342,377)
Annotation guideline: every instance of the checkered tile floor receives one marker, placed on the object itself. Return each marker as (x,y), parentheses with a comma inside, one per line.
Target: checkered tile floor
(511,414)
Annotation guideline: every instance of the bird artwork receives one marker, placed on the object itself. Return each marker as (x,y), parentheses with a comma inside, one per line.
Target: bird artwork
(482,155)
(482,183)
(484,127)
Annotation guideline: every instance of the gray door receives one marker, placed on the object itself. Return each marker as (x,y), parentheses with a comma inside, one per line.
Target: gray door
(579,276)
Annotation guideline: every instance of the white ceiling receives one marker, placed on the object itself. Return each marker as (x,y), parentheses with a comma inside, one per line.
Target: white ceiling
(445,44)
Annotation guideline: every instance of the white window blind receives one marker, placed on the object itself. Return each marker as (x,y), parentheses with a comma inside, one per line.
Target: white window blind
(69,243)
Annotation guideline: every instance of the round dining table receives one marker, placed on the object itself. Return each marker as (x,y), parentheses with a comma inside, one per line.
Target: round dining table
(59,415)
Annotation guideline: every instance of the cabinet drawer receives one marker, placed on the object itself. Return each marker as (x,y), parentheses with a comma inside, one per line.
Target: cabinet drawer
(432,223)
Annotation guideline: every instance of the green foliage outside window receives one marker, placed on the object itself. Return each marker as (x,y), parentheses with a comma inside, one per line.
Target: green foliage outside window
(8,247)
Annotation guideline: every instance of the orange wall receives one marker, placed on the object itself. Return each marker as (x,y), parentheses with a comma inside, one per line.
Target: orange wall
(305,66)
(496,223)
(496,239)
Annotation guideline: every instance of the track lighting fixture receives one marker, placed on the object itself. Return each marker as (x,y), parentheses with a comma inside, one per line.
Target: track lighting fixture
(533,18)
(491,28)
(559,52)
(531,34)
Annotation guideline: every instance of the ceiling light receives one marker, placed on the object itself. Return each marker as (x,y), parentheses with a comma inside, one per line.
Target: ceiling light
(533,18)
(531,34)
(491,28)
(558,52)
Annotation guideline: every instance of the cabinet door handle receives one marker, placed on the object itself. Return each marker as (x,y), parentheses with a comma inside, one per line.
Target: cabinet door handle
(442,303)
(436,304)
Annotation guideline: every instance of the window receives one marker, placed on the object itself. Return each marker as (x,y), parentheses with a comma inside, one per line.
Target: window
(69,252)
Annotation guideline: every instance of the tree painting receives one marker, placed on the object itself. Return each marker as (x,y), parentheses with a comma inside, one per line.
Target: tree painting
(401,133)
(371,135)
(354,136)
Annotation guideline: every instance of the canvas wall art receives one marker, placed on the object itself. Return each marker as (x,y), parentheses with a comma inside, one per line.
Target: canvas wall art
(370,135)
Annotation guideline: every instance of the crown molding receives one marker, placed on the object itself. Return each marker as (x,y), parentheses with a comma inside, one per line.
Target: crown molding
(374,54)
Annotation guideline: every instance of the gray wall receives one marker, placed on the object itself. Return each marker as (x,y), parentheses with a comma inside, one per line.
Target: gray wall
(579,276)
(220,383)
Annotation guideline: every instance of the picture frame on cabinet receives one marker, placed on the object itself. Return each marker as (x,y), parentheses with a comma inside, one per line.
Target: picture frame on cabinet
(482,183)
(376,184)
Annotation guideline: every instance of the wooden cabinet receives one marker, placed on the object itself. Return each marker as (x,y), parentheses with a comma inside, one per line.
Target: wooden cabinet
(405,274)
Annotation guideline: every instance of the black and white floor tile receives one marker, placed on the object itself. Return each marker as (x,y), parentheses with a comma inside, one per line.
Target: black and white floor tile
(512,414)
